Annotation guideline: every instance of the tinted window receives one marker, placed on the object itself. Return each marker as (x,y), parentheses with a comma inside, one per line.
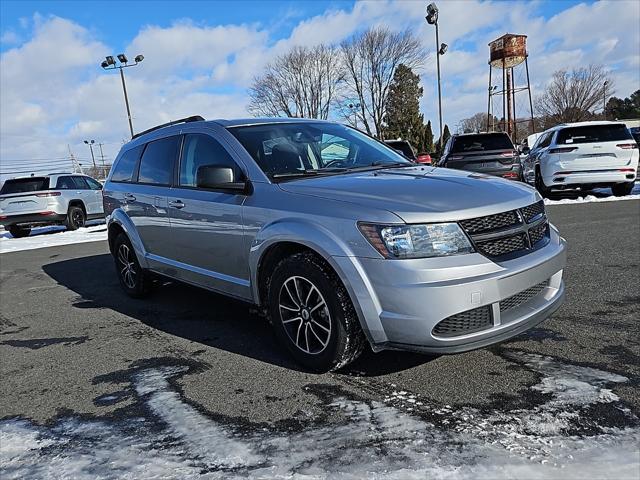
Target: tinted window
(545,140)
(404,147)
(93,184)
(20,185)
(124,168)
(156,165)
(202,150)
(479,143)
(65,183)
(594,133)
(80,183)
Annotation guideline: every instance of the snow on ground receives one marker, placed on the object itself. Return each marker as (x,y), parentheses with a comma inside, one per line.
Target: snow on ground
(597,195)
(566,436)
(52,236)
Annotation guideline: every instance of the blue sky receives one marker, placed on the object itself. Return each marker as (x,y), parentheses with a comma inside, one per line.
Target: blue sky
(200,57)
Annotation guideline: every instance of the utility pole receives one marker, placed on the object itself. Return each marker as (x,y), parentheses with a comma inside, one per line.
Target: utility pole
(74,162)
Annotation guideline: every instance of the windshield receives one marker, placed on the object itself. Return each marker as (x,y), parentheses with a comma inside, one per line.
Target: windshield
(594,133)
(481,143)
(298,149)
(22,185)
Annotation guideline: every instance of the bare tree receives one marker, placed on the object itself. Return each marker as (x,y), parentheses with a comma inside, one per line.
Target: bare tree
(300,83)
(475,123)
(370,60)
(574,96)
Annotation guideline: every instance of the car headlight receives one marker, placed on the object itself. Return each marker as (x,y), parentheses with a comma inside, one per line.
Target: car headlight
(417,241)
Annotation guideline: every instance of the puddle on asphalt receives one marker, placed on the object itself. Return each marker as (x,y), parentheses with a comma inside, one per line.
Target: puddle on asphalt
(581,430)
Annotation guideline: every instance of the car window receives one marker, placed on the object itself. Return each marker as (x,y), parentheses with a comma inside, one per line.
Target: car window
(126,165)
(480,143)
(202,150)
(545,140)
(80,183)
(93,184)
(594,134)
(157,162)
(65,183)
(20,185)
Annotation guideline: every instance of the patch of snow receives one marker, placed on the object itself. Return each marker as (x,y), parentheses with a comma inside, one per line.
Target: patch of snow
(374,439)
(597,195)
(52,236)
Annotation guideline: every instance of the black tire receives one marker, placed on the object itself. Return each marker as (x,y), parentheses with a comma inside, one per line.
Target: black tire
(622,189)
(19,232)
(540,186)
(343,342)
(75,218)
(135,281)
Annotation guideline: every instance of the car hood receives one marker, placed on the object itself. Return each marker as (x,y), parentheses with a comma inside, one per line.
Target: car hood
(420,194)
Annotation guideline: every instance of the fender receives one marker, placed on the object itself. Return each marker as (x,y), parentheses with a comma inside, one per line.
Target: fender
(335,252)
(120,217)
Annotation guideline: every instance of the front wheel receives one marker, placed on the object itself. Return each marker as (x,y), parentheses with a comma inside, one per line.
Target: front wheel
(19,232)
(134,280)
(622,189)
(312,313)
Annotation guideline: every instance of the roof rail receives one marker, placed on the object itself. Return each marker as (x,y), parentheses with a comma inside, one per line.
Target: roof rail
(194,118)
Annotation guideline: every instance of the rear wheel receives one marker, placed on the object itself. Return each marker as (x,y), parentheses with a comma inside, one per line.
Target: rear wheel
(312,313)
(19,232)
(622,189)
(135,281)
(540,186)
(75,218)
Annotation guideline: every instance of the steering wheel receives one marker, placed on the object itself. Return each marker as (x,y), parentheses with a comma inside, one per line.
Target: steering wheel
(340,162)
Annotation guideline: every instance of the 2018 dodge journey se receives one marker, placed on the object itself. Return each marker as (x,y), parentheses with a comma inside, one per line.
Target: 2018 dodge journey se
(338,238)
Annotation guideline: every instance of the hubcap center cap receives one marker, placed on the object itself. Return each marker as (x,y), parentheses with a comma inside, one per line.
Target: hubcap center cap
(305,314)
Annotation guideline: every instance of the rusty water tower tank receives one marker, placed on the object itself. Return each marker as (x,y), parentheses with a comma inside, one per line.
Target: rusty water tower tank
(508,51)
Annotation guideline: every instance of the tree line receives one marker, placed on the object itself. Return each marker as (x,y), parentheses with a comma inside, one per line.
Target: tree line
(367,80)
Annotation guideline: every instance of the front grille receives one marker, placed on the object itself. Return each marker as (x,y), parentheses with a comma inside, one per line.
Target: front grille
(502,246)
(530,212)
(523,297)
(464,323)
(538,233)
(509,234)
(490,222)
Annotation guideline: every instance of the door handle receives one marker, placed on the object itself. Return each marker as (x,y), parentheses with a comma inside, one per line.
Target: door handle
(176,204)
(129,197)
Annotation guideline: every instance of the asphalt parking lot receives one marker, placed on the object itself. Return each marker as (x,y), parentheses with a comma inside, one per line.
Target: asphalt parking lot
(195,383)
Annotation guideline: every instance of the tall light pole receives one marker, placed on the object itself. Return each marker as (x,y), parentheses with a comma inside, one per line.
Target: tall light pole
(90,143)
(110,64)
(354,108)
(441,48)
(604,99)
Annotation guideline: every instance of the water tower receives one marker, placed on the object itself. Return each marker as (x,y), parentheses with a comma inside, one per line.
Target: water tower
(506,78)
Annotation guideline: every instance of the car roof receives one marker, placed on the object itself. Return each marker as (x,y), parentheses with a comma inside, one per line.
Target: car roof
(585,124)
(477,133)
(241,122)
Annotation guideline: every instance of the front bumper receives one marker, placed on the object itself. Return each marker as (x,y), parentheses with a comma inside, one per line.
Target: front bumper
(401,301)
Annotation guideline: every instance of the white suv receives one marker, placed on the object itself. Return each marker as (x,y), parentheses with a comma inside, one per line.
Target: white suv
(583,155)
(61,198)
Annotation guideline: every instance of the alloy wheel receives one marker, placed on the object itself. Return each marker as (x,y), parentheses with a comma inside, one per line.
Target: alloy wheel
(305,315)
(127,266)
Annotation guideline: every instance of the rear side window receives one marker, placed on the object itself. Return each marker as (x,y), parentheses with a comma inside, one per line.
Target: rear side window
(202,150)
(65,183)
(480,143)
(158,159)
(123,170)
(594,134)
(20,185)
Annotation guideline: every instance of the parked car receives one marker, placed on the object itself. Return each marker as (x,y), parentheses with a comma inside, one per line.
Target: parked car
(54,199)
(403,147)
(335,237)
(424,158)
(583,155)
(488,153)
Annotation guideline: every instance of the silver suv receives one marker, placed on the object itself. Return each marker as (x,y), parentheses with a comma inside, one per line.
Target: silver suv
(335,236)
(55,199)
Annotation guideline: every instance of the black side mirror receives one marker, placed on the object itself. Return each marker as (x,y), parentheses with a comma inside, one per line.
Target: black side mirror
(215,177)
(525,150)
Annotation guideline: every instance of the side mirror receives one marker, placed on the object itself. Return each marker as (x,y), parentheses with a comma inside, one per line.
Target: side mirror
(215,177)
(525,150)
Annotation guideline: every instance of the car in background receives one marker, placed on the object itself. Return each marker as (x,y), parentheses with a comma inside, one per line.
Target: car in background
(54,199)
(488,153)
(584,155)
(405,148)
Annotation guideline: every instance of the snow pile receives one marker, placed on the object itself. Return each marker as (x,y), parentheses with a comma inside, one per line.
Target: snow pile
(52,236)
(598,195)
(558,438)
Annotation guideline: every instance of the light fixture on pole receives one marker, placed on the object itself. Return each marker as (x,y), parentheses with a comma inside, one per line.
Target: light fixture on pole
(432,19)
(109,63)
(354,108)
(90,143)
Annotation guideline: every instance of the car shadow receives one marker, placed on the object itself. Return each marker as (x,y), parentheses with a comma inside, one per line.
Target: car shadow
(200,316)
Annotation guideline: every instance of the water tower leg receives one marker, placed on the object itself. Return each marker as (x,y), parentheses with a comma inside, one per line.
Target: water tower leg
(515,115)
(533,124)
(504,103)
(489,101)
(509,94)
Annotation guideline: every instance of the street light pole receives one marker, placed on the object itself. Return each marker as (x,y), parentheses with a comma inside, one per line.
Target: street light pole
(604,100)
(90,143)
(441,48)
(110,64)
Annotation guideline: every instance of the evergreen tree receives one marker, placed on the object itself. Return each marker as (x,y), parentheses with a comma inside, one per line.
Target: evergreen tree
(403,118)
(426,139)
(446,135)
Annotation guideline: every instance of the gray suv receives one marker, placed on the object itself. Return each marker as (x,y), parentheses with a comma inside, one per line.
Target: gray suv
(333,235)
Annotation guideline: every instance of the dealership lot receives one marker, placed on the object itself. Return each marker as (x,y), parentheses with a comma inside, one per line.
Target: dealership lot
(192,382)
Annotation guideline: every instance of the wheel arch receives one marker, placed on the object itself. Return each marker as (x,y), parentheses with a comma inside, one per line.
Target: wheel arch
(119,222)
